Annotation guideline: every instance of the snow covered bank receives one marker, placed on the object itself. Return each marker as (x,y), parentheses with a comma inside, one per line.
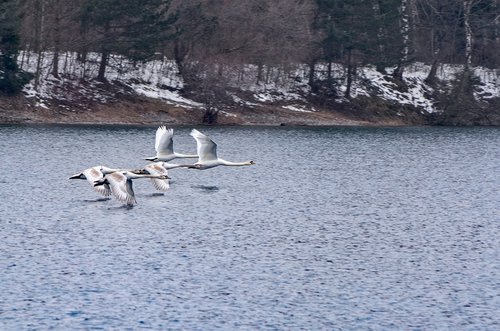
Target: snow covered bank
(280,87)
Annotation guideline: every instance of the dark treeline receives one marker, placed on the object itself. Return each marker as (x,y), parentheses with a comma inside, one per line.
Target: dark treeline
(205,37)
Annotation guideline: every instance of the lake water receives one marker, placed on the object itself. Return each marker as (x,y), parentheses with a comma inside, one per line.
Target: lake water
(333,229)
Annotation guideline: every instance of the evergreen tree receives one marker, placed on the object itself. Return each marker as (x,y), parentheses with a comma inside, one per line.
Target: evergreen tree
(12,79)
(133,28)
(387,29)
(349,36)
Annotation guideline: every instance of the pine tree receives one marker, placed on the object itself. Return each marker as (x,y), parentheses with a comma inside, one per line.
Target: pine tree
(389,26)
(133,28)
(12,79)
(349,34)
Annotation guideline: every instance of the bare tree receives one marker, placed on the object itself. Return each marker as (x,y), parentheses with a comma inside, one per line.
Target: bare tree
(467,5)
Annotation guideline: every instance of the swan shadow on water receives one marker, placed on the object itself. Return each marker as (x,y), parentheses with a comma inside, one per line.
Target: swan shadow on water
(158,194)
(125,207)
(97,200)
(206,188)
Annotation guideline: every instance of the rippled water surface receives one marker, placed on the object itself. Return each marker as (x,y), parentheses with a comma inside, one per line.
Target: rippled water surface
(333,229)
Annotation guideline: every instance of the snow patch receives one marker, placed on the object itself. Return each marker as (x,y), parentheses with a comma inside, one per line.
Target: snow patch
(298,108)
(160,79)
(227,113)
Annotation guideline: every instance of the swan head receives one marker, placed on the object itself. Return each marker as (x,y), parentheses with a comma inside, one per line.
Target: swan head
(251,162)
(77,176)
(152,159)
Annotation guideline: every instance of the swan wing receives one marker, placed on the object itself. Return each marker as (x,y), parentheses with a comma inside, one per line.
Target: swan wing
(206,148)
(93,174)
(104,190)
(121,187)
(130,193)
(158,169)
(164,143)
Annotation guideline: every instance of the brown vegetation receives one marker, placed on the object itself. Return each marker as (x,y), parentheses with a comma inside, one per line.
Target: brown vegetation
(212,39)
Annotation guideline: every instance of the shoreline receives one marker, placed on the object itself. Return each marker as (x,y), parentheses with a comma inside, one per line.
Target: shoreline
(147,112)
(143,111)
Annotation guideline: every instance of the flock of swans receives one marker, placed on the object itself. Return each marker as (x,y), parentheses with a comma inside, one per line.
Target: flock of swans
(118,182)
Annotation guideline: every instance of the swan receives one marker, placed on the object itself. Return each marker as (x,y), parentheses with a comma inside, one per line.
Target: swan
(164,146)
(207,153)
(120,184)
(161,168)
(96,173)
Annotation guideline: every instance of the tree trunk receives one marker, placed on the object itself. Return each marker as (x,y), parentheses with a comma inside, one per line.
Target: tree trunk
(414,20)
(405,35)
(468,33)
(57,41)
(179,56)
(405,30)
(101,74)
(312,74)
(102,66)
(39,14)
(82,50)
(398,72)
(55,63)
(431,77)
(259,73)
(268,74)
(381,40)
(351,71)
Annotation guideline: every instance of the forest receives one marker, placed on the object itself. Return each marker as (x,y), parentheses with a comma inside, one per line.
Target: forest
(208,38)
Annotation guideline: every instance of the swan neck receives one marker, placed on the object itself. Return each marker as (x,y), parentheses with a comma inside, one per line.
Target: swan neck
(234,164)
(169,166)
(180,155)
(132,175)
(106,170)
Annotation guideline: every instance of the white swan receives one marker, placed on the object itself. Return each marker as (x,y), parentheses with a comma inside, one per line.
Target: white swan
(164,146)
(120,183)
(207,153)
(161,168)
(96,173)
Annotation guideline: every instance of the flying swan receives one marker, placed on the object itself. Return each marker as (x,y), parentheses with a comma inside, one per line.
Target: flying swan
(207,153)
(96,173)
(164,146)
(120,184)
(161,168)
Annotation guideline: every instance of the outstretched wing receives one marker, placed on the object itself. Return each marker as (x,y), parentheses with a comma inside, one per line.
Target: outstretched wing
(206,148)
(94,174)
(158,169)
(121,187)
(164,143)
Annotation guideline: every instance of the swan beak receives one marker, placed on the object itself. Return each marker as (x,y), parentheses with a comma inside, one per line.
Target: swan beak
(252,162)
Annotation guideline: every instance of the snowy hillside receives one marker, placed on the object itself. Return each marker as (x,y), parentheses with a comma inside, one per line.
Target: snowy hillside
(159,79)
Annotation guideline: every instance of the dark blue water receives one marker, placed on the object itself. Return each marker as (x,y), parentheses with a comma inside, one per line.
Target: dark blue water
(333,229)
